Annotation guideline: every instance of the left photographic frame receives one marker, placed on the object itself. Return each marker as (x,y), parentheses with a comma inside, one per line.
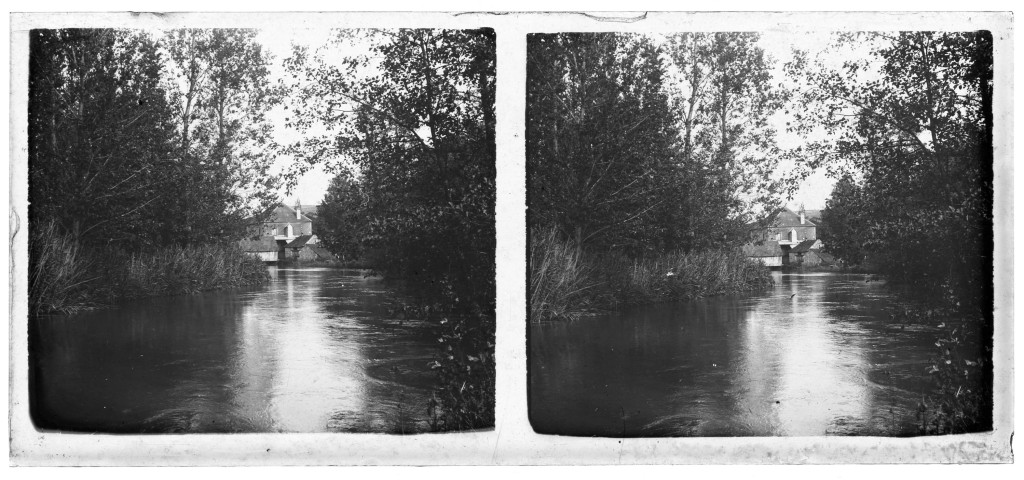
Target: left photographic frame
(260,230)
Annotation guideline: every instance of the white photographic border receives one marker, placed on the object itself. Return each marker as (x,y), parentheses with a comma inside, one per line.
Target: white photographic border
(512,441)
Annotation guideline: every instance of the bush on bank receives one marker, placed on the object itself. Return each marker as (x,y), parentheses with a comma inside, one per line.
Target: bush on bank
(66,276)
(567,281)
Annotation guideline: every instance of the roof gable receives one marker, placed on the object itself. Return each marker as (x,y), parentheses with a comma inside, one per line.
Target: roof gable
(285,214)
(789,218)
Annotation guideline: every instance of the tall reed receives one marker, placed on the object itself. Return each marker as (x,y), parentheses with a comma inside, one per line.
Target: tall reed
(560,279)
(66,276)
(59,271)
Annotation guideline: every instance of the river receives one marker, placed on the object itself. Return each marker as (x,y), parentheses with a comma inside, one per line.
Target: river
(315,350)
(818,354)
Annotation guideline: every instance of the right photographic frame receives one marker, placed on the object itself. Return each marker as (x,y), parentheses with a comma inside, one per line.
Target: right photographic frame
(760,233)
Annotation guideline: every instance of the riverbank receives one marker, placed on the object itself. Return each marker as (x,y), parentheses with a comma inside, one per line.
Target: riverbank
(66,276)
(567,282)
(464,328)
(960,366)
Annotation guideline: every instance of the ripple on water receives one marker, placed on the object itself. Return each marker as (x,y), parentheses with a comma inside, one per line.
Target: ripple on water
(826,360)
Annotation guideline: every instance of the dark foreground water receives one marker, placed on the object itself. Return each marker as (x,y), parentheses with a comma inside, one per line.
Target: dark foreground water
(816,355)
(315,350)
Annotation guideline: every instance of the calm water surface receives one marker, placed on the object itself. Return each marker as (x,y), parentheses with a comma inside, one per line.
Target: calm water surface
(315,350)
(816,355)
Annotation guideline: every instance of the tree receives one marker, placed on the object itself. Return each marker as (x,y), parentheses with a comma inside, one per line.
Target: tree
(222,94)
(343,219)
(414,118)
(844,224)
(913,117)
(599,138)
(99,134)
(724,98)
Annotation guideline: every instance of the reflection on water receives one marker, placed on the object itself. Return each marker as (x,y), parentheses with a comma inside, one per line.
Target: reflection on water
(315,350)
(817,355)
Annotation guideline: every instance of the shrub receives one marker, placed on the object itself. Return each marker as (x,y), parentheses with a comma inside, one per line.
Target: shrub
(566,281)
(961,372)
(184,270)
(65,276)
(683,275)
(464,398)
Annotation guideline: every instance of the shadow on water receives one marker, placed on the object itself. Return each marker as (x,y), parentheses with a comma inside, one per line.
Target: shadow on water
(816,355)
(315,350)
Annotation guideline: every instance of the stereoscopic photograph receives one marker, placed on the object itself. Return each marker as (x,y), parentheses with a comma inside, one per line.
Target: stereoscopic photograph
(510,238)
(261,230)
(760,233)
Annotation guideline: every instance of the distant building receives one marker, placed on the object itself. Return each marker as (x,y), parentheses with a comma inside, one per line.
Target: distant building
(287,223)
(288,235)
(306,249)
(792,239)
(790,228)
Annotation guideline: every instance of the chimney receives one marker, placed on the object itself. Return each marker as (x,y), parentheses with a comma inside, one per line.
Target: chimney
(801,217)
(298,213)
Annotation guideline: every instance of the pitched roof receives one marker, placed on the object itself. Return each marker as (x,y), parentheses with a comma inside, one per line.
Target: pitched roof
(320,252)
(803,246)
(299,241)
(285,214)
(789,218)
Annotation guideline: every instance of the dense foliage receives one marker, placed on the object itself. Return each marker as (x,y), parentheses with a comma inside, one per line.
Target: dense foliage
(414,118)
(109,154)
(120,158)
(409,128)
(843,226)
(599,138)
(100,134)
(727,171)
(343,220)
(614,163)
(915,127)
(643,149)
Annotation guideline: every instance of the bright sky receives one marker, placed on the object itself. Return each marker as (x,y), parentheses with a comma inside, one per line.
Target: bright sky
(312,186)
(816,188)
